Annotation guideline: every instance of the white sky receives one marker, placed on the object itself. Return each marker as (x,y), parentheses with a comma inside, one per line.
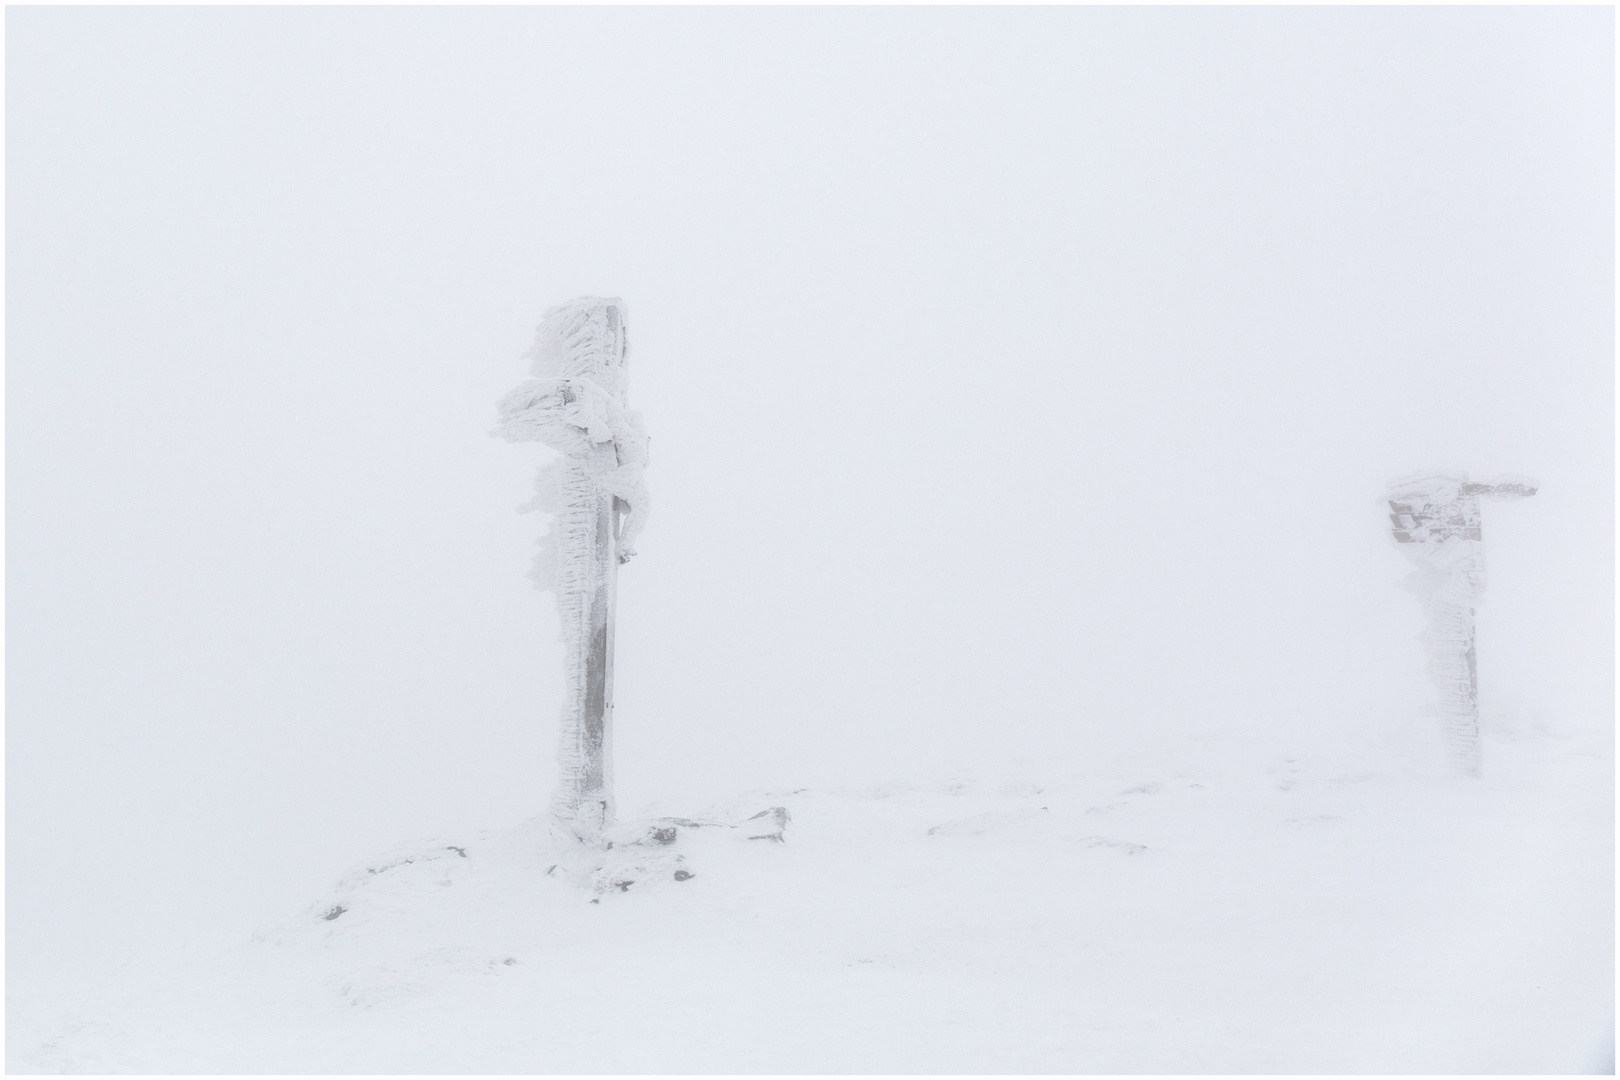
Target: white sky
(1021,384)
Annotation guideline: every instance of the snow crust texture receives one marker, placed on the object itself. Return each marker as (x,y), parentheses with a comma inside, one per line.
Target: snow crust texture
(576,404)
(1336,911)
(1436,520)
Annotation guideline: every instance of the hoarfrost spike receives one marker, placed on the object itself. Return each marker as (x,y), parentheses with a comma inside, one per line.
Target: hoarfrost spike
(1435,518)
(576,404)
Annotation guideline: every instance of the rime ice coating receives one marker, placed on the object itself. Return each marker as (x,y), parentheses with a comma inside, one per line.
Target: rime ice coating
(575,404)
(1436,521)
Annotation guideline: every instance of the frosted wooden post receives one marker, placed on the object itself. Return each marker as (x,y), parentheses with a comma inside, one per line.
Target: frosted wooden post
(576,405)
(1437,523)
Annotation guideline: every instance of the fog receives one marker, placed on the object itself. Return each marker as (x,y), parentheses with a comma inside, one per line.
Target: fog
(1021,385)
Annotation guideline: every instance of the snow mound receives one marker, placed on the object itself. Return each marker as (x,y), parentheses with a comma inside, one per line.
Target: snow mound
(979,824)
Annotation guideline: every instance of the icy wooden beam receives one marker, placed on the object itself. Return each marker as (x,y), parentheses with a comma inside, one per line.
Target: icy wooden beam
(1436,520)
(576,404)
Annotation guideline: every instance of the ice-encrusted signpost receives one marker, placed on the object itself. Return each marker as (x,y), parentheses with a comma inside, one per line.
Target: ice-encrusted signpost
(576,404)
(1436,521)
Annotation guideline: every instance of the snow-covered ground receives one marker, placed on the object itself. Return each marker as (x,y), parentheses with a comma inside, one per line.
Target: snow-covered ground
(1212,913)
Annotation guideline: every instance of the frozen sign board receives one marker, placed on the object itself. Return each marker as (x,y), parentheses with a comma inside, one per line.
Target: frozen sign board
(1436,519)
